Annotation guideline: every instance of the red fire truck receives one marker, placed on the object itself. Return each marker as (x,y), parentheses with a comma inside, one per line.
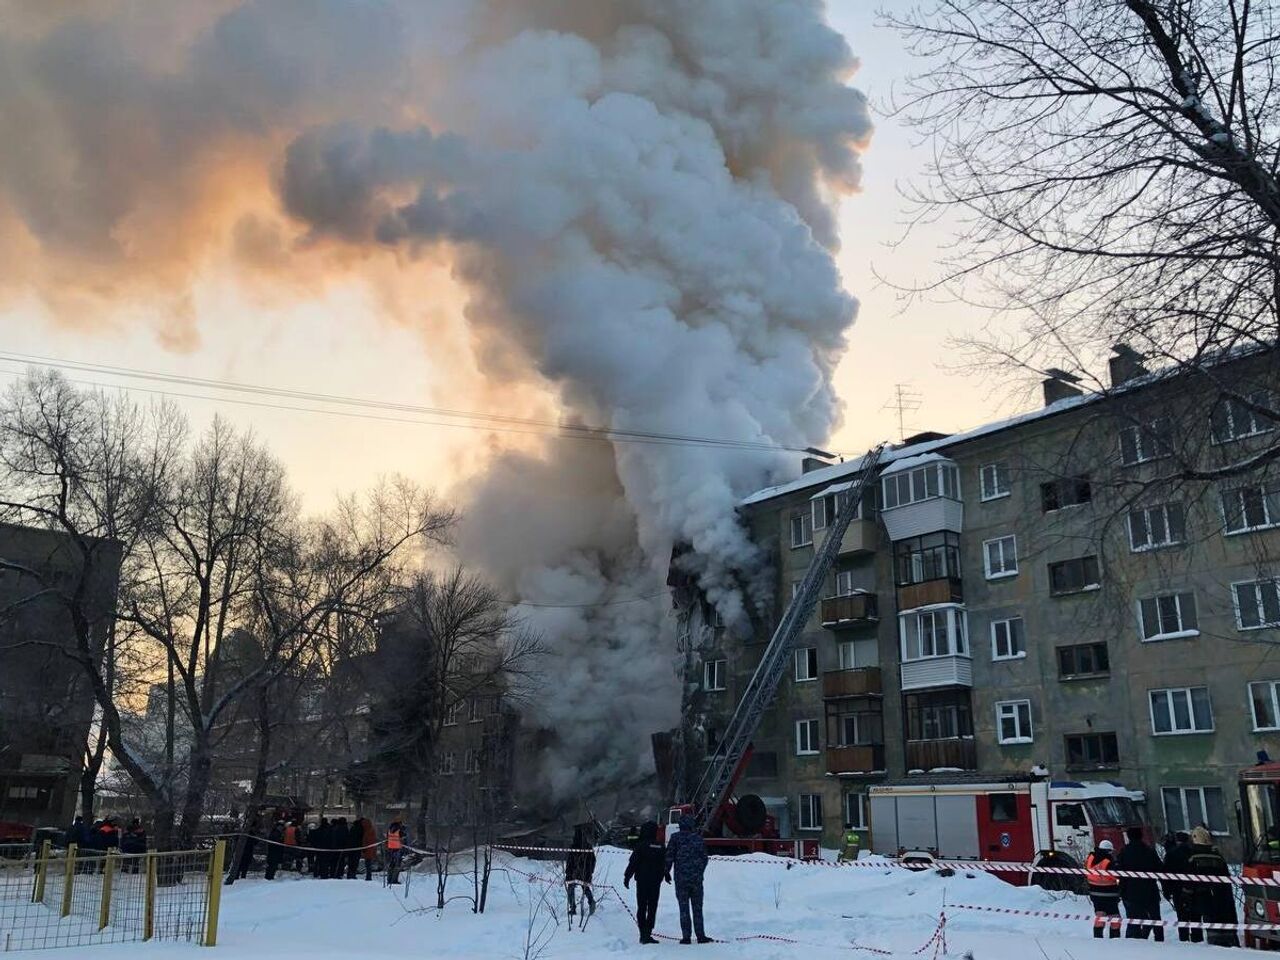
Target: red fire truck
(1260,827)
(1023,820)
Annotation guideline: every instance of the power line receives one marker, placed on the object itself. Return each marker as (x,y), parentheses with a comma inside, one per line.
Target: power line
(465,419)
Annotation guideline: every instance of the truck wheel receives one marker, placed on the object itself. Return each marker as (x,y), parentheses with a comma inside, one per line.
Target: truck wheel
(751,813)
(1068,882)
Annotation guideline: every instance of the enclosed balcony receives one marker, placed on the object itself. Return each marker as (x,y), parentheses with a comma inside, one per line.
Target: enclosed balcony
(939,729)
(930,592)
(927,570)
(864,682)
(860,537)
(935,648)
(957,753)
(921,495)
(856,760)
(855,737)
(857,609)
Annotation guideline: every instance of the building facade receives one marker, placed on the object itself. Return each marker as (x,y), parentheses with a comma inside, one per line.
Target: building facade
(1091,586)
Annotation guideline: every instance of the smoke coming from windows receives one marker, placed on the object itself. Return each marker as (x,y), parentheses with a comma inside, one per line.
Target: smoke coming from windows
(636,195)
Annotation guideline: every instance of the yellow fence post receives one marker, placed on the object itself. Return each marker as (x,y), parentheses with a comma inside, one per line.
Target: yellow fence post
(104,911)
(149,900)
(217,859)
(42,871)
(69,879)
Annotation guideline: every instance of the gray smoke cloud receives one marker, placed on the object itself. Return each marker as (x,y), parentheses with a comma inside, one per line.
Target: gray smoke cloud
(637,194)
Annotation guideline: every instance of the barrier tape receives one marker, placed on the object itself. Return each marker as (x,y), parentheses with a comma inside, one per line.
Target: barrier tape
(1091,917)
(988,866)
(290,846)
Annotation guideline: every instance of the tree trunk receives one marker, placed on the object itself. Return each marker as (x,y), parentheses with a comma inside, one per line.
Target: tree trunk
(201,772)
(89,775)
(258,793)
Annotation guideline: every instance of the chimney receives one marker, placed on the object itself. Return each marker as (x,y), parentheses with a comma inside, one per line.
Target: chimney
(1126,364)
(816,460)
(1060,385)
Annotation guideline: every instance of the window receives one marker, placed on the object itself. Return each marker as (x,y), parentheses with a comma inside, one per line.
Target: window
(471,763)
(1168,615)
(856,729)
(826,509)
(1006,639)
(1092,750)
(938,716)
(446,763)
(1070,815)
(847,651)
(1257,604)
(801,530)
(806,664)
(1068,492)
(995,480)
(475,710)
(1001,557)
(931,557)
(810,811)
(938,632)
(451,713)
(1002,807)
(844,583)
(713,675)
(1181,710)
(1253,507)
(1140,443)
(1013,721)
(1232,419)
(855,810)
(806,737)
(1158,526)
(1266,704)
(1074,576)
(1186,808)
(1083,660)
(923,483)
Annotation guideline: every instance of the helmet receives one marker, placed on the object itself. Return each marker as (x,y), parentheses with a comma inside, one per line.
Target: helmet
(1106,845)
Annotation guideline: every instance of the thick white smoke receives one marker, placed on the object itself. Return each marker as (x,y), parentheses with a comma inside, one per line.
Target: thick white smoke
(637,195)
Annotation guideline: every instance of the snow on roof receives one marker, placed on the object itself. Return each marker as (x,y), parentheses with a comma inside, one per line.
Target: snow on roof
(841,471)
(834,488)
(910,463)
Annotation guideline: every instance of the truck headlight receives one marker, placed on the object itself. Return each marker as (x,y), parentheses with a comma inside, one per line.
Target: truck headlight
(1260,909)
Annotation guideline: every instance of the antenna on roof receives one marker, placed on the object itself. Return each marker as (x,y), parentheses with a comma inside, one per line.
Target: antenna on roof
(905,400)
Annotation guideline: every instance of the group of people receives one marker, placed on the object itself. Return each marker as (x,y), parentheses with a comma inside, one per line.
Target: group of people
(1194,901)
(100,837)
(652,863)
(327,850)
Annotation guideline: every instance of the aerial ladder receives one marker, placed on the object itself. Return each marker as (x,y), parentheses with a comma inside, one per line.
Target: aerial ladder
(712,803)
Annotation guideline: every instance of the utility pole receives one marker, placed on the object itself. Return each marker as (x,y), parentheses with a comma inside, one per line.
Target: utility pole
(904,401)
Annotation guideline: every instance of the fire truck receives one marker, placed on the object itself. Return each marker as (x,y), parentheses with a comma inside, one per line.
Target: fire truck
(743,824)
(1259,814)
(1029,819)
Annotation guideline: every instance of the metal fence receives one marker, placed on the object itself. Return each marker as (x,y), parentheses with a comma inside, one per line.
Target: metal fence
(72,898)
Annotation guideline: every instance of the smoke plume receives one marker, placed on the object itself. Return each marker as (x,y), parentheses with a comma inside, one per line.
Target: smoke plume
(636,195)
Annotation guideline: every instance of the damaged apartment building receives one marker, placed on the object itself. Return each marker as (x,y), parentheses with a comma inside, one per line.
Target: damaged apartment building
(1049,589)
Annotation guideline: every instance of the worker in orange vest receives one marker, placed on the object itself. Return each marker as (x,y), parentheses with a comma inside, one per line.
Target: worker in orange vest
(397,838)
(1104,889)
(291,843)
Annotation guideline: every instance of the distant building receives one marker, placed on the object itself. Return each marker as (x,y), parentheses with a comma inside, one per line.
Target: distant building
(46,707)
(1032,591)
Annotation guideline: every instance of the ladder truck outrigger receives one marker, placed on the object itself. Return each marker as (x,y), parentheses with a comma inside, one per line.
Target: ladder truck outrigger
(714,804)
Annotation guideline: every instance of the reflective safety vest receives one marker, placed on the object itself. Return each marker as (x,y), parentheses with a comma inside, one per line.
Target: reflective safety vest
(1098,872)
(291,835)
(394,839)
(851,839)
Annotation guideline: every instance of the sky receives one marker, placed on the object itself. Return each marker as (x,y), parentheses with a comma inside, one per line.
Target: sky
(342,339)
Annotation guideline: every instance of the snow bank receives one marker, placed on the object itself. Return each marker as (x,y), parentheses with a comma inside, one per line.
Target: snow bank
(835,912)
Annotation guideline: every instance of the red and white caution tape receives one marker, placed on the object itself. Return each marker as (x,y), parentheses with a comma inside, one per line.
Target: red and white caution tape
(1092,917)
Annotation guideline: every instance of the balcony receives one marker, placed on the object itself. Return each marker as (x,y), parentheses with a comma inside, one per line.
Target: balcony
(930,592)
(955,670)
(852,761)
(861,537)
(854,610)
(959,753)
(864,682)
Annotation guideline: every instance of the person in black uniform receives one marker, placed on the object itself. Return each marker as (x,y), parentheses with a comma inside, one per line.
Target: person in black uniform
(1141,897)
(648,864)
(1178,892)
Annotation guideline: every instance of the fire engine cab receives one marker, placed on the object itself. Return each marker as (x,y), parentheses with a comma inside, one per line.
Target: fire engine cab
(1026,820)
(1260,827)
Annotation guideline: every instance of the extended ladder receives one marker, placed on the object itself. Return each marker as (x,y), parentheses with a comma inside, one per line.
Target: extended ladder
(722,770)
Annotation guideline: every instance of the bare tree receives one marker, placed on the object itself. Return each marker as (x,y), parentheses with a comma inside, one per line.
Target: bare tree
(1110,169)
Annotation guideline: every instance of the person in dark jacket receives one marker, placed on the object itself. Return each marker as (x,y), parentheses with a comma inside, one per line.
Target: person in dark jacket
(1141,897)
(77,833)
(337,847)
(687,856)
(354,842)
(133,843)
(1176,857)
(1212,902)
(275,849)
(648,865)
(1104,889)
(321,838)
(579,871)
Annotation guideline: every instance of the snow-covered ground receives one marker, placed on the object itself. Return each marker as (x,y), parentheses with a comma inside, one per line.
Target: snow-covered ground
(831,911)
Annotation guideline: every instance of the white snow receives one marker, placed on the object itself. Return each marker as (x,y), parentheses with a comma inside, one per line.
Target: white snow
(828,909)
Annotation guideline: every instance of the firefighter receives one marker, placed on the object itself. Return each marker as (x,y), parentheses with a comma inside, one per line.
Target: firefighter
(1177,892)
(1141,897)
(850,843)
(275,849)
(1104,889)
(397,839)
(1211,901)
(648,864)
(292,836)
(687,855)
(579,871)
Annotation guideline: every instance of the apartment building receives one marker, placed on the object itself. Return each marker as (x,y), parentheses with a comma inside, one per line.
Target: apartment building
(1091,586)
